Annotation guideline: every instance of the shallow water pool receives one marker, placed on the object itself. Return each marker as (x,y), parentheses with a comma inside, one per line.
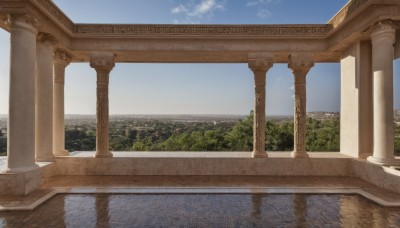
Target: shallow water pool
(204,210)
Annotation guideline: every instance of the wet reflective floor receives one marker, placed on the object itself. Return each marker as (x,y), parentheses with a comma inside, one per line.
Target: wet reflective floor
(205,210)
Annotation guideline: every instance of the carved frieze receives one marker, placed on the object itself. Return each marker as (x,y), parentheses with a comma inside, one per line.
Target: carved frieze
(240,30)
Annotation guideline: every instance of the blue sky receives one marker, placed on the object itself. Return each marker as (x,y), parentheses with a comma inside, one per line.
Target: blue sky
(193,88)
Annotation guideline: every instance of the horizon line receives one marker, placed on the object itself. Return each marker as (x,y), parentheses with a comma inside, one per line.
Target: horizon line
(197,114)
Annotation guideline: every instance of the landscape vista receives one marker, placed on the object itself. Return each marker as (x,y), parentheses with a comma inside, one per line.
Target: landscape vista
(197,91)
(137,88)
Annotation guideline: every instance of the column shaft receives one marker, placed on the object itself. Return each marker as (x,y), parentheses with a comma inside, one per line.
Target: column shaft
(103,65)
(259,68)
(102,140)
(383,36)
(61,61)
(44,99)
(21,118)
(300,67)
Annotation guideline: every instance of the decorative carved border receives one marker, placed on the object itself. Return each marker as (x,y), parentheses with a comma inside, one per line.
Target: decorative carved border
(347,10)
(205,30)
(199,30)
(173,30)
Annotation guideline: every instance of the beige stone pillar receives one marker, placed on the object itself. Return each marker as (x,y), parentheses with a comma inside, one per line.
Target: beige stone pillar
(21,118)
(382,37)
(300,66)
(44,99)
(356,105)
(259,68)
(61,61)
(103,64)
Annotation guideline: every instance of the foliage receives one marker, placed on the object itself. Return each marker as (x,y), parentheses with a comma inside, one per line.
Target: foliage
(206,136)
(397,140)
(80,140)
(322,135)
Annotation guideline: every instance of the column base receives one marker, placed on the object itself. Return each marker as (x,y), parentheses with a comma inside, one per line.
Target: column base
(297,154)
(50,159)
(259,154)
(384,161)
(61,153)
(21,169)
(109,155)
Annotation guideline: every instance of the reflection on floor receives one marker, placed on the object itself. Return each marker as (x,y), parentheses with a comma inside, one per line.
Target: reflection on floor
(205,210)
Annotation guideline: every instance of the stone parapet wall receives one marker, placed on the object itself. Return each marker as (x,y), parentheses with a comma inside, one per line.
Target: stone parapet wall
(204,166)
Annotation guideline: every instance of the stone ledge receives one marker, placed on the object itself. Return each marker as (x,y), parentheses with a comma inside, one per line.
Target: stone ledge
(279,166)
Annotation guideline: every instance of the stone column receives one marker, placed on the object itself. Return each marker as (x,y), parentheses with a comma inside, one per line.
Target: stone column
(103,65)
(382,37)
(61,61)
(21,118)
(300,66)
(259,68)
(44,99)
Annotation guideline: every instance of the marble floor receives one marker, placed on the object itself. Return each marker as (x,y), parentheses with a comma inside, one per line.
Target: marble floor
(202,201)
(205,210)
(199,185)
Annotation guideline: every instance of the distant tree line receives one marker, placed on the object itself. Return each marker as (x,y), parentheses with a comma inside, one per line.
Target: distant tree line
(321,136)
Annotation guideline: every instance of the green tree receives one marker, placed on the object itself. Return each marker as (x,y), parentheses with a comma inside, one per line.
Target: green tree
(240,138)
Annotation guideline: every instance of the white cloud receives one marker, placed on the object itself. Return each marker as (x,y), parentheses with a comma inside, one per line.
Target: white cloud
(291,88)
(261,2)
(179,9)
(263,13)
(202,8)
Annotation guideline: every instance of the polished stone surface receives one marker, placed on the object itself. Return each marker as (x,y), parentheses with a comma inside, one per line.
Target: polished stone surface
(205,210)
(199,185)
(3,163)
(220,181)
(204,154)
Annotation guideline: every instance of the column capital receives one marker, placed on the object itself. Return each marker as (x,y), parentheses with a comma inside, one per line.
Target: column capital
(47,39)
(384,30)
(300,64)
(103,62)
(62,57)
(23,21)
(263,64)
